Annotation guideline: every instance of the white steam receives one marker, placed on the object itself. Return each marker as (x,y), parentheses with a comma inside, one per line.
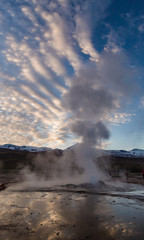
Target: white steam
(95,93)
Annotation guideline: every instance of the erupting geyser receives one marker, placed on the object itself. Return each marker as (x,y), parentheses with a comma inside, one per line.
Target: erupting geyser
(94,94)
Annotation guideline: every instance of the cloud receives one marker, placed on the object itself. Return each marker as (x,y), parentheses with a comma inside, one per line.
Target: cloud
(141,105)
(142,101)
(47,51)
(141,27)
(60,39)
(82,35)
(120,118)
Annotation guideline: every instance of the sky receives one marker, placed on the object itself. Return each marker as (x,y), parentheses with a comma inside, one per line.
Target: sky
(72,69)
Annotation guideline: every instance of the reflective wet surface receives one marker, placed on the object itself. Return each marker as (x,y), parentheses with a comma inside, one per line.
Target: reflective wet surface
(71,214)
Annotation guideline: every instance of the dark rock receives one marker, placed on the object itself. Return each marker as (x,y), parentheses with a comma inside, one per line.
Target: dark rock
(2,187)
(70,186)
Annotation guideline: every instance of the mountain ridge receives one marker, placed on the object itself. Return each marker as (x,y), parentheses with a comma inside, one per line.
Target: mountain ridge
(119,153)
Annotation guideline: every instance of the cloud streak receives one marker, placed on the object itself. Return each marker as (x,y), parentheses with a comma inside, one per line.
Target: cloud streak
(47,51)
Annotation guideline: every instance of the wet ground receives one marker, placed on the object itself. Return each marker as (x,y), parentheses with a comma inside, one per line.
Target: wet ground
(72,212)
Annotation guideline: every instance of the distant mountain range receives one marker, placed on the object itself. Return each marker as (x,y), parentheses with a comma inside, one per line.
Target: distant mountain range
(42,159)
(25,148)
(117,153)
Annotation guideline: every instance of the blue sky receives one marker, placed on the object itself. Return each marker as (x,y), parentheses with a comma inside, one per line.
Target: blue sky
(48,48)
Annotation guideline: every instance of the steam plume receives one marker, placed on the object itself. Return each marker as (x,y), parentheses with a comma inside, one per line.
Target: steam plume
(94,94)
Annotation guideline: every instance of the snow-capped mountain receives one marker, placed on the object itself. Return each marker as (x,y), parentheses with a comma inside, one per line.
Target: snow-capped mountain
(25,148)
(124,153)
(118,153)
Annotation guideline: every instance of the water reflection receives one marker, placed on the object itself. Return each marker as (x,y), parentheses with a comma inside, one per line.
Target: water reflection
(52,216)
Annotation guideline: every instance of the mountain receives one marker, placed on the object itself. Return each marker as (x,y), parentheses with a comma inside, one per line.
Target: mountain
(24,148)
(117,153)
(13,157)
(123,153)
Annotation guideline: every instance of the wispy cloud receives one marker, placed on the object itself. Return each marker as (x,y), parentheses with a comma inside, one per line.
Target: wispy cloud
(45,45)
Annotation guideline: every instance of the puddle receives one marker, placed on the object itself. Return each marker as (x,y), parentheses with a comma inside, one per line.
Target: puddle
(72,214)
